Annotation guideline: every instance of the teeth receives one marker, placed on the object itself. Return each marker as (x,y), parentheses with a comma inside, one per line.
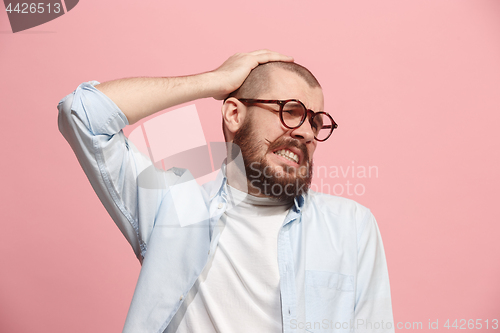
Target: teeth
(288,154)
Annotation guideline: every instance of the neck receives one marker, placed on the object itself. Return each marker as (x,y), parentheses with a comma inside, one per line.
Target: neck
(237,179)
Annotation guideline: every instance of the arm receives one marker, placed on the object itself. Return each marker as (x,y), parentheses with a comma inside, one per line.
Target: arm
(373,295)
(92,119)
(140,97)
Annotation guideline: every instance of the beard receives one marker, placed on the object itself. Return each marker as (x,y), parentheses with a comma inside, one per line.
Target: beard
(282,183)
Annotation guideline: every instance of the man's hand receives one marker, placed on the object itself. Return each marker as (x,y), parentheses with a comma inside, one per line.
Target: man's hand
(233,72)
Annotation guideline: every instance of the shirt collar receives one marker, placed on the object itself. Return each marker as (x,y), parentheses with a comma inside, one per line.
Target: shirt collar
(219,182)
(299,202)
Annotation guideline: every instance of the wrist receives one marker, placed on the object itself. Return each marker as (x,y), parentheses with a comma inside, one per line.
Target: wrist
(210,84)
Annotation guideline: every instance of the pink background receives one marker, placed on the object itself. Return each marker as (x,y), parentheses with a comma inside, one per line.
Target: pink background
(414,86)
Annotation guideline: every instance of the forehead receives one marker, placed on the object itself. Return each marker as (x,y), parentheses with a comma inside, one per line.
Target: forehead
(283,84)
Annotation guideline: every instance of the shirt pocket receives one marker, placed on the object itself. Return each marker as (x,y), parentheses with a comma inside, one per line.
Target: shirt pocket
(329,302)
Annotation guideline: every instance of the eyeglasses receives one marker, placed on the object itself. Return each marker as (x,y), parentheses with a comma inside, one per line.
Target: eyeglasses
(293,113)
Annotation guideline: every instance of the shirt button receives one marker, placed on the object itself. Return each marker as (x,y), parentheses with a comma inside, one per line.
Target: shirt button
(221,205)
(180,299)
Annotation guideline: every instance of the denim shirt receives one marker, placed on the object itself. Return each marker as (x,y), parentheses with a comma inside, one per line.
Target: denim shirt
(331,261)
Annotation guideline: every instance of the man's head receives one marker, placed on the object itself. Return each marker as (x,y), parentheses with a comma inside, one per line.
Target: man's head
(265,143)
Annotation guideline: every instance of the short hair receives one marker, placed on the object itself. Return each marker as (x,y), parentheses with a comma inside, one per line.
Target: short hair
(258,81)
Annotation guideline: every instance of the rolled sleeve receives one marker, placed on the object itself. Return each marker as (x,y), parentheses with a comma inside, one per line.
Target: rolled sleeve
(92,124)
(99,114)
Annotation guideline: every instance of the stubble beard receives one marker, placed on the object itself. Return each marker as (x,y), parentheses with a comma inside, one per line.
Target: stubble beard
(282,184)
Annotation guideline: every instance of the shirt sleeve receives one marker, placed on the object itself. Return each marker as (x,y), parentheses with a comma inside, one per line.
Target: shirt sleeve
(126,182)
(373,308)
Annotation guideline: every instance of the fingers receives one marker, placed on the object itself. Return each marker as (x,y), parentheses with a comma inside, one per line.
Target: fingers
(267,57)
(263,56)
(258,52)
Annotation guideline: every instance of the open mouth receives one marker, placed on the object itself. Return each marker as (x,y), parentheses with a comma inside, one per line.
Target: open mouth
(288,154)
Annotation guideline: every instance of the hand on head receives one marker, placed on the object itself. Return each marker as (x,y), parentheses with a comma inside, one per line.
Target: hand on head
(233,72)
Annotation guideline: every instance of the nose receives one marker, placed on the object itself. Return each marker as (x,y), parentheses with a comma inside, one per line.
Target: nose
(304,133)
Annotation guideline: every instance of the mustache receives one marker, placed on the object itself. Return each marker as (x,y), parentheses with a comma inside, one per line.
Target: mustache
(284,142)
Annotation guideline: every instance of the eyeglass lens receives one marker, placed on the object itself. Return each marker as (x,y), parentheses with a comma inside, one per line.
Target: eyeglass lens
(293,112)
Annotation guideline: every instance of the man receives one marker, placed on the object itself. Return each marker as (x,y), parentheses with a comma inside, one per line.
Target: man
(259,252)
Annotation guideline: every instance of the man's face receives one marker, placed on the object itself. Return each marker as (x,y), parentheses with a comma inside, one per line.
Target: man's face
(265,142)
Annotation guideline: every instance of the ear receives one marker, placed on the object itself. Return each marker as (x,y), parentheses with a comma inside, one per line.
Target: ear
(233,115)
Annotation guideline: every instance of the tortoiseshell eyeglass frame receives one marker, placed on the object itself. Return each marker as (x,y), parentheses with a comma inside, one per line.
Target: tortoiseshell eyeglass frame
(282,103)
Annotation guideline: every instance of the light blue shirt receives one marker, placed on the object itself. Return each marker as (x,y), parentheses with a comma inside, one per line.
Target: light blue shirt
(331,261)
